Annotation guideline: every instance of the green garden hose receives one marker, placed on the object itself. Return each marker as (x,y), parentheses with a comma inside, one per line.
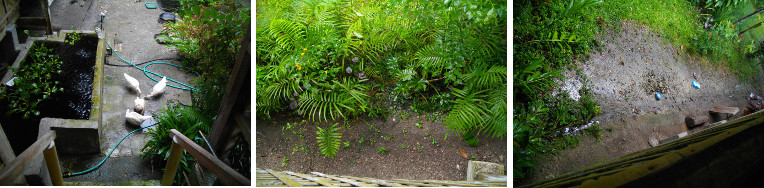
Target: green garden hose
(147,71)
(107,155)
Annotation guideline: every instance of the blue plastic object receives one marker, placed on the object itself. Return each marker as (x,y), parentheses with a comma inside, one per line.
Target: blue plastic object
(658,95)
(150,5)
(695,84)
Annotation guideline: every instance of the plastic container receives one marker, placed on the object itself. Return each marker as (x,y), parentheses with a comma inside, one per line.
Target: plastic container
(695,84)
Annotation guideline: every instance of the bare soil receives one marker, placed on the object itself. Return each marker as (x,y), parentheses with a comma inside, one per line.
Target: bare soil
(436,162)
(624,75)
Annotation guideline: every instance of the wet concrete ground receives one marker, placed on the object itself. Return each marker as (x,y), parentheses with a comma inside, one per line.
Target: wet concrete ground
(129,25)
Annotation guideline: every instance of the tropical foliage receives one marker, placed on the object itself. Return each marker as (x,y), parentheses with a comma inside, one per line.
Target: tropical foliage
(329,140)
(187,121)
(332,59)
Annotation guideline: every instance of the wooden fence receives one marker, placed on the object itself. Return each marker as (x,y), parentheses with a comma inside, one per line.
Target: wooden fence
(271,178)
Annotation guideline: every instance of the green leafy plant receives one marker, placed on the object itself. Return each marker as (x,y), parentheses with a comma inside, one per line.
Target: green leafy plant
(347,145)
(73,37)
(187,121)
(419,124)
(34,82)
(473,157)
(382,150)
(328,140)
(284,161)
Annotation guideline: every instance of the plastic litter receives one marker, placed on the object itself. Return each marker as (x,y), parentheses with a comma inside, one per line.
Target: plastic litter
(151,5)
(658,95)
(11,82)
(166,17)
(695,84)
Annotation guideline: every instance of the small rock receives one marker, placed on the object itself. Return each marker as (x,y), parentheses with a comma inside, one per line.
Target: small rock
(501,157)
(128,153)
(458,168)
(115,153)
(653,141)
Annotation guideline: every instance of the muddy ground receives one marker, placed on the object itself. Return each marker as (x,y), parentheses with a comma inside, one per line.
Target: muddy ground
(624,75)
(433,162)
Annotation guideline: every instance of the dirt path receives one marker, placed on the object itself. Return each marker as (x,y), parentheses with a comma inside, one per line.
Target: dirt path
(624,75)
(433,162)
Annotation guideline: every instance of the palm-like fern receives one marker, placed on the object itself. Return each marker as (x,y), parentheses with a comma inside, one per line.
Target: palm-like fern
(334,100)
(468,112)
(432,58)
(328,140)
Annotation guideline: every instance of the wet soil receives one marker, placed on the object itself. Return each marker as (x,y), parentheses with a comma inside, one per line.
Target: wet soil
(632,64)
(404,159)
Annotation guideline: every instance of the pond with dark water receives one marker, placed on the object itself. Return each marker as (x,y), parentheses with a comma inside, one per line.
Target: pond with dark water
(74,103)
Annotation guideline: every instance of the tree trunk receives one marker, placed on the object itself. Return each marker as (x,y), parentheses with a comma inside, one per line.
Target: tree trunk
(746,17)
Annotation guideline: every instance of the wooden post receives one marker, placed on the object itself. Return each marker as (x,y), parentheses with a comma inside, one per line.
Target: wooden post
(51,159)
(221,129)
(225,174)
(172,163)
(46,15)
(6,152)
(15,167)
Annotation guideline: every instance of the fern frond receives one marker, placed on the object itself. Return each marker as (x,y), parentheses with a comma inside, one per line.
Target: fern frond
(285,32)
(432,59)
(318,105)
(496,121)
(328,140)
(480,78)
(468,112)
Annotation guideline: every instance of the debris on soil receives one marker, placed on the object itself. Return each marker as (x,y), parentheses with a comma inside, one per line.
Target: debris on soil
(461,152)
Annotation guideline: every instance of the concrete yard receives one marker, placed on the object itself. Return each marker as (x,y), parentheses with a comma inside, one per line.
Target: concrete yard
(129,28)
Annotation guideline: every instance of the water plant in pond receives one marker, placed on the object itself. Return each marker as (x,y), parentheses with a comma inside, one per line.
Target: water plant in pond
(34,82)
(73,37)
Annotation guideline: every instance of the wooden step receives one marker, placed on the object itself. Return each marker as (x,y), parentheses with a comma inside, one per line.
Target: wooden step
(122,183)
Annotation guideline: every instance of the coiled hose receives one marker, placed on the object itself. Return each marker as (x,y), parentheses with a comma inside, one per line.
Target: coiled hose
(107,155)
(146,72)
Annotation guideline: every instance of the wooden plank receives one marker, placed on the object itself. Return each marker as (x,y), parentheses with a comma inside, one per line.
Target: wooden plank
(284,178)
(314,179)
(226,174)
(46,16)
(220,129)
(15,167)
(6,152)
(10,16)
(245,126)
(344,180)
(724,109)
(375,181)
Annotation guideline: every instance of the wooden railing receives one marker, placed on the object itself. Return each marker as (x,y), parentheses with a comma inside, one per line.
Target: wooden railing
(14,168)
(180,142)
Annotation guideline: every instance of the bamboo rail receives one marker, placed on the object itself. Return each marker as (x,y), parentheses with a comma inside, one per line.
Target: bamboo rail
(180,142)
(630,168)
(272,178)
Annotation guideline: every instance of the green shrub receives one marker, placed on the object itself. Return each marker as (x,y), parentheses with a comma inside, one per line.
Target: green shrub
(208,36)
(35,82)
(329,140)
(187,121)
